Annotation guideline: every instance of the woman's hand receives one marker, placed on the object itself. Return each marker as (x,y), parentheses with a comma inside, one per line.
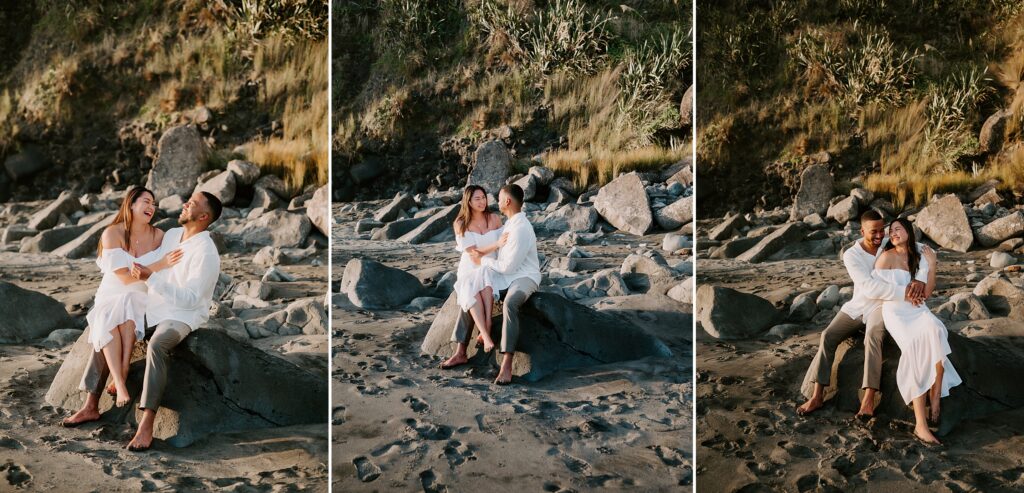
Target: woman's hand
(140,272)
(173,257)
(503,240)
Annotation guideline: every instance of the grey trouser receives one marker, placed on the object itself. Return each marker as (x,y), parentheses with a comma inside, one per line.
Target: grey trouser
(165,337)
(514,297)
(842,327)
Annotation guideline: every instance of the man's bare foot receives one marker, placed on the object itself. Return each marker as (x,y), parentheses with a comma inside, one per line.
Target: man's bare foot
(925,435)
(142,440)
(81,417)
(456,360)
(867,408)
(810,406)
(504,377)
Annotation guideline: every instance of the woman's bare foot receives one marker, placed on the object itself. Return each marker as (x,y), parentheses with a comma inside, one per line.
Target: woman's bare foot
(810,406)
(122,397)
(925,435)
(82,416)
(112,389)
(456,360)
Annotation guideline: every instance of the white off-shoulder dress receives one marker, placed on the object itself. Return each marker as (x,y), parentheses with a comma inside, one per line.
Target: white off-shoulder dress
(117,302)
(472,278)
(922,339)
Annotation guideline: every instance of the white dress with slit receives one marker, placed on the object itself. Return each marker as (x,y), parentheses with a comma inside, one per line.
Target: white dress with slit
(472,278)
(922,339)
(117,302)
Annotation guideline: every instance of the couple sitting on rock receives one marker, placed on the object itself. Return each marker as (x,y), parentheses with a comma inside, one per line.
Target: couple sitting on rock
(890,284)
(498,262)
(150,279)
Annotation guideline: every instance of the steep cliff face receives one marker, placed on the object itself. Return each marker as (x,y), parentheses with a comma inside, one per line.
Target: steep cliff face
(418,85)
(87,87)
(893,95)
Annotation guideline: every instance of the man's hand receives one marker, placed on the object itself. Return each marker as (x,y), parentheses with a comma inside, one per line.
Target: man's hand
(140,272)
(915,293)
(474,255)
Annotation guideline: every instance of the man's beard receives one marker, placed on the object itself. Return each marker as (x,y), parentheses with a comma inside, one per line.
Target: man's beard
(183,220)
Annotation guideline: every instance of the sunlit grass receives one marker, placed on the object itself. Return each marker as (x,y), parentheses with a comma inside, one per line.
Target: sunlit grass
(590,168)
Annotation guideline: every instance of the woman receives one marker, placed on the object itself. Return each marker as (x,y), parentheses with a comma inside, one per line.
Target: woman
(116,319)
(477,228)
(924,369)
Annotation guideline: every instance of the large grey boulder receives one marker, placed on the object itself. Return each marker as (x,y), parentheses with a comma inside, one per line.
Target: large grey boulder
(215,384)
(246,173)
(844,210)
(624,204)
(87,244)
(529,185)
(782,237)
(222,186)
(492,162)
(729,314)
(1001,297)
(963,306)
(398,229)
(990,368)
(676,214)
(65,205)
(729,226)
(275,228)
(945,222)
(27,315)
(814,193)
(437,223)
(686,108)
(570,217)
(51,239)
(181,158)
(555,334)
(1001,229)
(375,286)
(390,212)
(317,210)
(15,232)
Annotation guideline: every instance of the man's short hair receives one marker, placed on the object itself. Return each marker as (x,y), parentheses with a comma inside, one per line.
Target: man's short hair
(870,215)
(215,206)
(514,191)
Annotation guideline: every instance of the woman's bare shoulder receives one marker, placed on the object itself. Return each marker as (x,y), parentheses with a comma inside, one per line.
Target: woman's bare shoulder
(113,236)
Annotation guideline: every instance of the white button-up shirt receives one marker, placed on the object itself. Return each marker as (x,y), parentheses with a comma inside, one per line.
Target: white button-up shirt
(869,292)
(518,258)
(184,292)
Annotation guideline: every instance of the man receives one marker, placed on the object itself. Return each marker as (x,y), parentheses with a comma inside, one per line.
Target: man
(862,311)
(517,270)
(179,302)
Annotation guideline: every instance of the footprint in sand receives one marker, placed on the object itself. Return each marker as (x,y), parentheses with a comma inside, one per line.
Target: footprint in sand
(457,453)
(428,430)
(338,416)
(416,404)
(366,471)
(428,480)
(16,474)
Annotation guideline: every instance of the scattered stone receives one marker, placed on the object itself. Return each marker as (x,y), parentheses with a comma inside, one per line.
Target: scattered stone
(683,292)
(63,337)
(274,274)
(274,184)
(15,232)
(543,175)
(844,210)
(804,307)
(789,234)
(65,205)
(423,303)
(570,217)
(675,214)
(390,212)
(863,196)
(728,227)
(1002,259)
(308,315)
(317,210)
(246,173)
(990,139)
(51,239)
(828,298)
(221,186)
(963,306)
(675,242)
(1001,229)
(275,228)
(264,199)
(434,225)
(85,245)
(529,185)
